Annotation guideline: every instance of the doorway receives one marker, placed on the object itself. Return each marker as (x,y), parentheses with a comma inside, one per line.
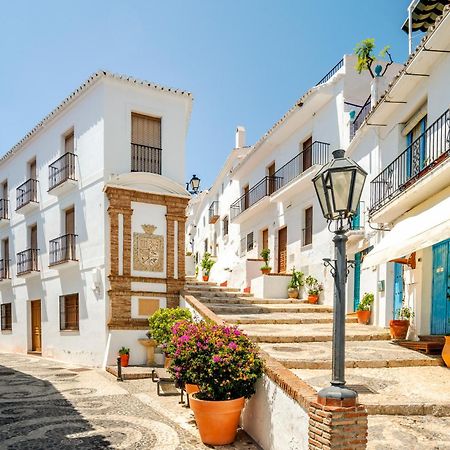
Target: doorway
(282,250)
(36,328)
(440,295)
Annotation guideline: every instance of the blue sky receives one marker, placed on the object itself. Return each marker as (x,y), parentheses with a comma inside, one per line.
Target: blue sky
(246,62)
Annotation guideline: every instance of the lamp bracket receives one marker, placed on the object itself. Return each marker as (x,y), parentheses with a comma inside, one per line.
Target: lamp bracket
(331,263)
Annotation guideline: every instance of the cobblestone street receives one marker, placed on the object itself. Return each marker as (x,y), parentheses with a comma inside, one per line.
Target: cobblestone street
(51,405)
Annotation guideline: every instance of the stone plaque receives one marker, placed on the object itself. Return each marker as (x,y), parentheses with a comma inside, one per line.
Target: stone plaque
(148,250)
(147,306)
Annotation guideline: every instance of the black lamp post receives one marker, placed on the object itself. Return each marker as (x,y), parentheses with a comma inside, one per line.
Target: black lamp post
(339,185)
(193,185)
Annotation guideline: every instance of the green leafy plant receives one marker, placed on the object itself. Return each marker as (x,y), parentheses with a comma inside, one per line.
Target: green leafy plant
(265,255)
(220,359)
(162,321)
(297,280)
(207,264)
(124,351)
(364,50)
(405,313)
(366,302)
(314,287)
(265,267)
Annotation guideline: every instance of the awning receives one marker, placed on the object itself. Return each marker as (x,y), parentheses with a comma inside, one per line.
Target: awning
(423,226)
(424,14)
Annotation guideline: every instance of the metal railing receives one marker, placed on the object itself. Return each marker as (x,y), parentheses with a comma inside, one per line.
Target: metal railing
(26,193)
(360,117)
(317,153)
(4,208)
(265,187)
(213,212)
(430,149)
(61,170)
(4,269)
(27,261)
(62,249)
(145,158)
(331,72)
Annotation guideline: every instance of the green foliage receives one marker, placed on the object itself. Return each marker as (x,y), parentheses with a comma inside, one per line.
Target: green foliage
(265,266)
(314,287)
(207,263)
(124,351)
(265,254)
(220,359)
(364,50)
(405,313)
(366,302)
(162,321)
(296,280)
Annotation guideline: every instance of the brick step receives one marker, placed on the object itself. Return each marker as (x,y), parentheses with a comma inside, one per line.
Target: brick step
(227,308)
(248,300)
(282,318)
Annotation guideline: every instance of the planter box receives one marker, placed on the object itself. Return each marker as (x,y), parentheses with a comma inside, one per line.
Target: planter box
(270,286)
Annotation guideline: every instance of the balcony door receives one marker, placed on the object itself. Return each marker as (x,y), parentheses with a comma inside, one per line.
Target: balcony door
(246,197)
(282,250)
(265,239)
(69,244)
(145,144)
(36,327)
(307,154)
(440,296)
(270,174)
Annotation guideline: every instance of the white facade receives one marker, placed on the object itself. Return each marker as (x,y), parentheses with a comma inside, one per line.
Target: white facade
(99,114)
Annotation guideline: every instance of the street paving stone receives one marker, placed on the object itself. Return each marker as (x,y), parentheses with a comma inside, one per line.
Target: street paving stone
(52,405)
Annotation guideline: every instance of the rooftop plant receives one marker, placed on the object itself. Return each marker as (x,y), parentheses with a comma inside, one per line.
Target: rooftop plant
(364,50)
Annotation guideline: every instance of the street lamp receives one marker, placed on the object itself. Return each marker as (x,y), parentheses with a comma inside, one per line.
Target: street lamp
(339,185)
(194,184)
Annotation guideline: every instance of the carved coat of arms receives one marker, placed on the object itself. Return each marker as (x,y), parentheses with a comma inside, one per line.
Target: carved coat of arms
(148,250)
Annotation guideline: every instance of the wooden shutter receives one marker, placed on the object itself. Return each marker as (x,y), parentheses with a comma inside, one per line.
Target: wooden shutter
(282,250)
(33,237)
(33,170)
(271,173)
(6,316)
(265,238)
(307,153)
(69,143)
(70,221)
(145,130)
(69,312)
(308,226)
(246,197)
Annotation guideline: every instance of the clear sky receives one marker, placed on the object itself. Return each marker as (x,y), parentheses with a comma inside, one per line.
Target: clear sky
(246,62)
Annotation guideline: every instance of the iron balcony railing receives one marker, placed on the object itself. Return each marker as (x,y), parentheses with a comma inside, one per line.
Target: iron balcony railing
(145,159)
(214,212)
(27,261)
(4,269)
(26,193)
(61,170)
(4,208)
(317,153)
(430,149)
(360,117)
(62,249)
(331,72)
(265,187)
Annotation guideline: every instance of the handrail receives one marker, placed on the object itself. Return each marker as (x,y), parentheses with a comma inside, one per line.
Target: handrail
(62,249)
(26,193)
(27,261)
(145,158)
(331,72)
(61,170)
(360,117)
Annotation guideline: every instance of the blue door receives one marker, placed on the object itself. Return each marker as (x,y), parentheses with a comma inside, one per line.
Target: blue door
(398,288)
(440,296)
(357,281)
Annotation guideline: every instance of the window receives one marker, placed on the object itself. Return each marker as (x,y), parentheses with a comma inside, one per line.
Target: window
(265,238)
(145,144)
(69,143)
(250,241)
(225,226)
(4,201)
(307,231)
(68,312)
(6,316)
(4,262)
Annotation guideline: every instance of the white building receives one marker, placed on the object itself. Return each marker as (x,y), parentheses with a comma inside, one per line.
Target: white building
(92,221)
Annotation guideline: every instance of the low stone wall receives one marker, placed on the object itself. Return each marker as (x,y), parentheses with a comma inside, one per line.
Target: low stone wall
(270,286)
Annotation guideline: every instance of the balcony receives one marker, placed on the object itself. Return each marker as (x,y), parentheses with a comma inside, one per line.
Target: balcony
(27,262)
(317,153)
(357,231)
(62,174)
(4,270)
(262,189)
(26,196)
(360,117)
(4,212)
(330,74)
(214,212)
(62,251)
(420,171)
(145,159)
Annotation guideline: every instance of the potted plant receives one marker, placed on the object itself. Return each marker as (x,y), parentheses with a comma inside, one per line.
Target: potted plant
(446,351)
(295,284)
(364,50)
(161,323)
(265,255)
(124,354)
(363,310)
(225,365)
(314,289)
(399,327)
(206,264)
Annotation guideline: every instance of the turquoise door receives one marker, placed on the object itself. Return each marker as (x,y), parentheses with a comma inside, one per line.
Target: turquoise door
(440,296)
(398,288)
(357,281)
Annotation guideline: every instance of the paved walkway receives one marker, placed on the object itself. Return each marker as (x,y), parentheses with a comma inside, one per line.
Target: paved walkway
(51,405)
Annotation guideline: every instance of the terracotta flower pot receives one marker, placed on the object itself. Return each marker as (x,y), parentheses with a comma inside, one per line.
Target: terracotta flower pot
(313,298)
(167,361)
(398,329)
(293,292)
(217,421)
(124,360)
(205,277)
(446,351)
(191,388)
(265,271)
(363,317)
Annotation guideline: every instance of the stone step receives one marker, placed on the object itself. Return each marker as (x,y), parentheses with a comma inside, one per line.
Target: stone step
(248,300)
(197,288)
(217,293)
(227,308)
(200,283)
(311,333)
(367,354)
(282,318)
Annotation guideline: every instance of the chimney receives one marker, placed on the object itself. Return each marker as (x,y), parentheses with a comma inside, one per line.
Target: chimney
(240,137)
(377,89)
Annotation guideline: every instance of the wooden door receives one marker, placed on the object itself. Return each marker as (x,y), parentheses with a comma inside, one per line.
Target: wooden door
(307,153)
(33,237)
(33,170)
(270,174)
(246,198)
(70,221)
(282,250)
(36,332)
(265,238)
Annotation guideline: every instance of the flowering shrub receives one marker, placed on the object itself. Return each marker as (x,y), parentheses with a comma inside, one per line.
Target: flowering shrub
(162,321)
(220,359)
